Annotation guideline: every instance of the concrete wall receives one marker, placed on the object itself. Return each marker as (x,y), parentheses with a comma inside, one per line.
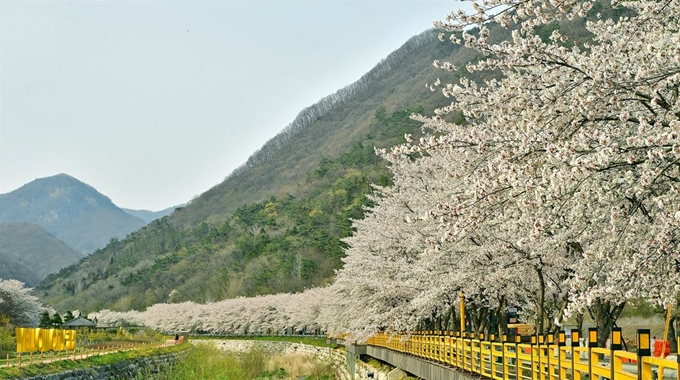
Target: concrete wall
(419,367)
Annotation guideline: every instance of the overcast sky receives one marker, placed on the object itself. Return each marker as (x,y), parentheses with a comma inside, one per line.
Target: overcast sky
(154,102)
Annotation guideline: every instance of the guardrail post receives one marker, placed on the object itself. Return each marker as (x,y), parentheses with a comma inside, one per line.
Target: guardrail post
(518,369)
(551,341)
(480,362)
(614,345)
(592,342)
(677,369)
(533,362)
(463,336)
(504,367)
(442,346)
(471,337)
(574,343)
(541,343)
(643,372)
(459,347)
(561,342)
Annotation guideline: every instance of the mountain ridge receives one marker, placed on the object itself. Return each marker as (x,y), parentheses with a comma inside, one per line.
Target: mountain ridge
(149,216)
(71,210)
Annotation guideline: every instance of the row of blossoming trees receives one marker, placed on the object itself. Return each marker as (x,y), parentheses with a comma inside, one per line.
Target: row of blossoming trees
(270,314)
(560,194)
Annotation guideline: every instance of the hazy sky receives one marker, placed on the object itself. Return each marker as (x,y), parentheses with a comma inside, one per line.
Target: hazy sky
(154,102)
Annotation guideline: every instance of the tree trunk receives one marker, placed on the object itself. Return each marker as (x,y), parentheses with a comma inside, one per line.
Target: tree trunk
(579,323)
(672,335)
(541,302)
(605,314)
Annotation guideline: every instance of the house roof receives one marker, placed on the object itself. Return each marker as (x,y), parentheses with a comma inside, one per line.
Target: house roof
(79,322)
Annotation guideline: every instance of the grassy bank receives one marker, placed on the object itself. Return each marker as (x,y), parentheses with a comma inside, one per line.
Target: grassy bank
(206,361)
(93,361)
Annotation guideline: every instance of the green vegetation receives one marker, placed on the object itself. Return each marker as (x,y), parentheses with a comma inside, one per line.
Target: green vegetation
(275,225)
(86,339)
(205,361)
(29,253)
(94,361)
(281,244)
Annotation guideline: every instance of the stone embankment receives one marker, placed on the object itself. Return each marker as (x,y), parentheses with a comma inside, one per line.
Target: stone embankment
(124,370)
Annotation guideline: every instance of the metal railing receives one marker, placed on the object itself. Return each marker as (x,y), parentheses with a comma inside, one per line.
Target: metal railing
(549,360)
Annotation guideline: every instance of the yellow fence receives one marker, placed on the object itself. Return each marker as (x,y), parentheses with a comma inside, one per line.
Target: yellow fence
(36,339)
(515,361)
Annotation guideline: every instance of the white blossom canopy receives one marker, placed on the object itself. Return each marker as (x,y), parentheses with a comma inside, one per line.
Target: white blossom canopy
(263,314)
(563,181)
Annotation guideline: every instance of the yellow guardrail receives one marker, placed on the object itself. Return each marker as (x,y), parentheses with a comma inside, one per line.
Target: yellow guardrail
(527,361)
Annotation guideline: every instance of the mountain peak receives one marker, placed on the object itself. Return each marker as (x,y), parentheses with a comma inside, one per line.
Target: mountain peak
(72,210)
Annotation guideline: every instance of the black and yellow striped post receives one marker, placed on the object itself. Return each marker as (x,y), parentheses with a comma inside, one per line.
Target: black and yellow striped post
(534,340)
(614,345)
(644,349)
(541,352)
(592,342)
(561,342)
(479,359)
(541,347)
(574,343)
(471,362)
(458,346)
(551,341)
(518,370)
(503,358)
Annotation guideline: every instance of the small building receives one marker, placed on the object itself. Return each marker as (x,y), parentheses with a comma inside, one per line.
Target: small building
(79,322)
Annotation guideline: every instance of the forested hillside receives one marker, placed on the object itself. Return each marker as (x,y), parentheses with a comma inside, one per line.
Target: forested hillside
(280,244)
(29,253)
(276,223)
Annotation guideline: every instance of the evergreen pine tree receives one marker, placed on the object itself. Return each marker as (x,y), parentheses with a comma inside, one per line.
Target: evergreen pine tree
(56,320)
(45,320)
(68,316)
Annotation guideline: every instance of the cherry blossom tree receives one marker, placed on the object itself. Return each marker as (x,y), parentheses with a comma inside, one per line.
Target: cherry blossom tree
(582,141)
(402,267)
(585,138)
(255,315)
(18,305)
(564,177)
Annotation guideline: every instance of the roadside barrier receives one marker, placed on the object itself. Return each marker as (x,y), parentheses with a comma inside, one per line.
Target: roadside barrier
(544,358)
